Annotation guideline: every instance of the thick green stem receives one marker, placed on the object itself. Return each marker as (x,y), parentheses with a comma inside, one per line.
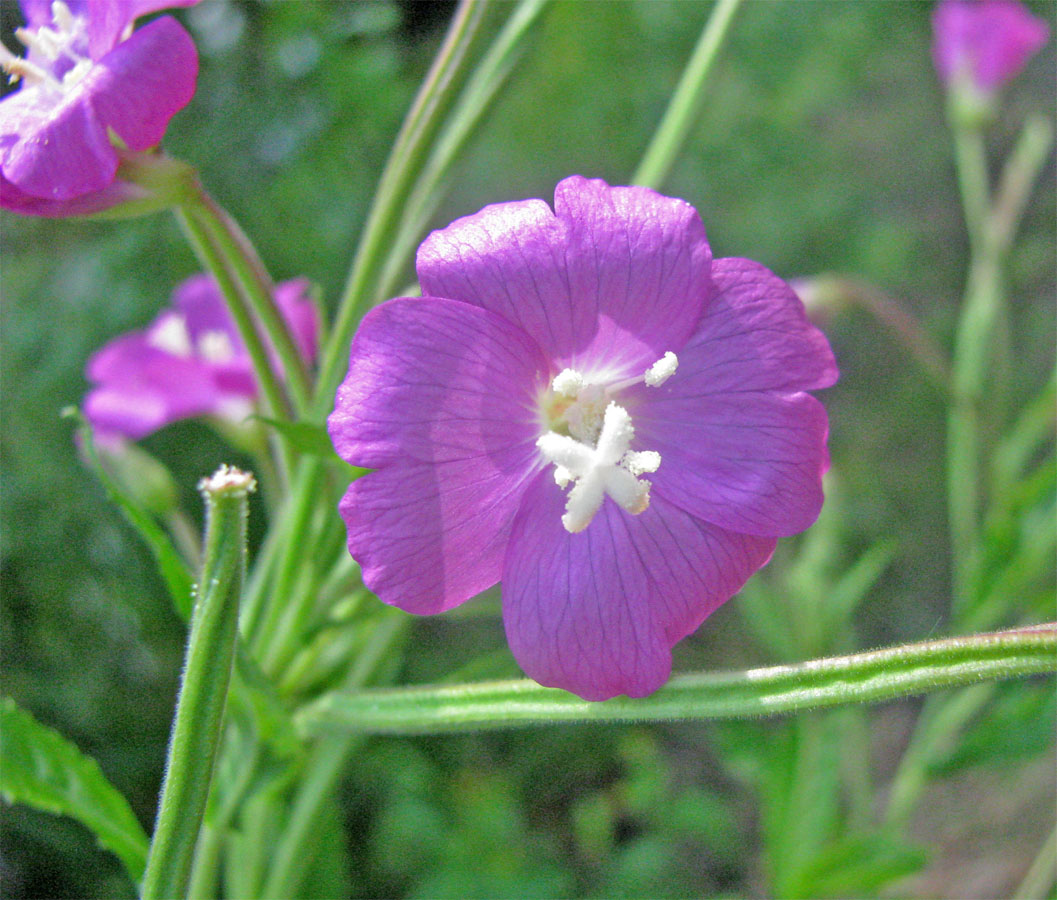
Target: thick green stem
(203,693)
(405,163)
(668,140)
(862,677)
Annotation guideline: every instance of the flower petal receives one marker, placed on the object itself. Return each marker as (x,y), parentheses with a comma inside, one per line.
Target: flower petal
(54,149)
(740,445)
(429,536)
(107,19)
(598,612)
(432,380)
(614,276)
(141,388)
(440,395)
(143,82)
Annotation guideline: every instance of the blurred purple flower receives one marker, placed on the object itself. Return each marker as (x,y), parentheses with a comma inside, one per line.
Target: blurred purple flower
(189,362)
(92,89)
(600,347)
(984,42)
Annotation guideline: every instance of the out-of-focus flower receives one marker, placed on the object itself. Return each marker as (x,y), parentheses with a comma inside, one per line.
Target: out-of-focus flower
(93,93)
(589,408)
(189,362)
(982,44)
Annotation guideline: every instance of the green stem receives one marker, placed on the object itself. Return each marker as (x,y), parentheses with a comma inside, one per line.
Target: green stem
(214,261)
(862,677)
(405,163)
(1018,179)
(292,855)
(253,280)
(482,88)
(207,673)
(686,101)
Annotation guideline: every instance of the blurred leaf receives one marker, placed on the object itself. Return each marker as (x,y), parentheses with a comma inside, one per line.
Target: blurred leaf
(852,587)
(307,437)
(856,866)
(171,566)
(42,769)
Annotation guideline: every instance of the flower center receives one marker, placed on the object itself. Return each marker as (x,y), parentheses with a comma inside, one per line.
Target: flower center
(589,444)
(61,48)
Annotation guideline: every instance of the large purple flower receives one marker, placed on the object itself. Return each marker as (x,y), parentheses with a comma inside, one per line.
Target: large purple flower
(88,82)
(588,407)
(984,42)
(189,362)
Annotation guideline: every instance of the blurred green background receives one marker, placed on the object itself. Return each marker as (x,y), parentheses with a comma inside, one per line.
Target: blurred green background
(821,146)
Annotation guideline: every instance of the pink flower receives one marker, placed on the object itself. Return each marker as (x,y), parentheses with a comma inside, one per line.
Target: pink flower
(986,42)
(589,408)
(189,362)
(87,81)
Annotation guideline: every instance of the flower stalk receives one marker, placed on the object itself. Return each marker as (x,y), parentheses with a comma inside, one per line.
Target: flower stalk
(862,677)
(204,690)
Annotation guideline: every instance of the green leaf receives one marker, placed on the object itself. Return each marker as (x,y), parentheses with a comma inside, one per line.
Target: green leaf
(40,768)
(860,678)
(171,566)
(307,437)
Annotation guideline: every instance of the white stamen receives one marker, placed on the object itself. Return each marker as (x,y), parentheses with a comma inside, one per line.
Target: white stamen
(607,468)
(661,370)
(62,16)
(170,334)
(568,383)
(215,346)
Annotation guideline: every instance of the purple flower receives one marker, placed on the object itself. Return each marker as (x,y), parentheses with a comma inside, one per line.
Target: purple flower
(88,83)
(189,362)
(587,407)
(984,42)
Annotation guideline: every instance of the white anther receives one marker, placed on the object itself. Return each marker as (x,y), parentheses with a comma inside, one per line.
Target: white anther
(609,467)
(568,383)
(170,334)
(639,462)
(661,370)
(62,16)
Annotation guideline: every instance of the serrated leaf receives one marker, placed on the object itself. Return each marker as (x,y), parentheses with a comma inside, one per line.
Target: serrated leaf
(40,768)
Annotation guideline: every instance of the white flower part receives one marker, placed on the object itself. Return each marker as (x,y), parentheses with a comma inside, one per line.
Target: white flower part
(215,346)
(170,334)
(568,383)
(661,370)
(50,42)
(607,468)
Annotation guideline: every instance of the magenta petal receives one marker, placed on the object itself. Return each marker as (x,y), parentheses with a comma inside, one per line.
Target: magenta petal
(107,19)
(142,388)
(295,304)
(753,336)
(16,200)
(614,274)
(54,150)
(440,394)
(988,41)
(433,380)
(430,536)
(140,84)
(597,613)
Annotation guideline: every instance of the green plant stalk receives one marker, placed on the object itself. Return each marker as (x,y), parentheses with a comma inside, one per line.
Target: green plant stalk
(481,89)
(203,691)
(214,261)
(862,677)
(257,288)
(292,854)
(409,154)
(671,134)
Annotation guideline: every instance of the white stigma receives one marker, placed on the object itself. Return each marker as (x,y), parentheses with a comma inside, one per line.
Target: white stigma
(607,468)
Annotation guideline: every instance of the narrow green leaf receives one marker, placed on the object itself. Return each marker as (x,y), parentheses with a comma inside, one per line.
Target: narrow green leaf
(307,437)
(40,768)
(862,677)
(171,566)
